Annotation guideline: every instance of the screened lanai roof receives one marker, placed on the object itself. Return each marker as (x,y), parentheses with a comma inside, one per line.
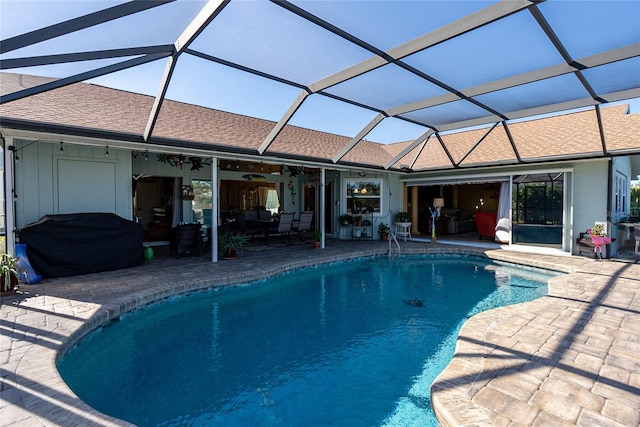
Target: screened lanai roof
(359,71)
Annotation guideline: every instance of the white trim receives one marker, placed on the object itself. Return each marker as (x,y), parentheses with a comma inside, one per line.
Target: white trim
(467,180)
(482,177)
(167,149)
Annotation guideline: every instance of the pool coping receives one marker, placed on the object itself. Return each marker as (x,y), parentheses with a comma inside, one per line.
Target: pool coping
(41,325)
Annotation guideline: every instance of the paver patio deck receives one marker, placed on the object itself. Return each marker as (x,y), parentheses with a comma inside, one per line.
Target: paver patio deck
(569,358)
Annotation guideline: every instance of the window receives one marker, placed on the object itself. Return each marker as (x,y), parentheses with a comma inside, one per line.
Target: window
(622,185)
(363,195)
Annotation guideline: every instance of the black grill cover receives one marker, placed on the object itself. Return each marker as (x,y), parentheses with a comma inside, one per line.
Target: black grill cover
(71,244)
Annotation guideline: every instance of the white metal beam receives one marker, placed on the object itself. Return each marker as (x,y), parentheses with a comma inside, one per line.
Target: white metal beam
(422,138)
(210,10)
(470,22)
(207,14)
(603,58)
(157,102)
(344,150)
(283,121)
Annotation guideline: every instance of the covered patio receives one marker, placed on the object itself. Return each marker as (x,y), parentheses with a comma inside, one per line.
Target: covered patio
(385,90)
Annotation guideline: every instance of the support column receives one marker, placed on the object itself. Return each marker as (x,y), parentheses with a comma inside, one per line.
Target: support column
(9,151)
(215,209)
(323,202)
(405,197)
(414,210)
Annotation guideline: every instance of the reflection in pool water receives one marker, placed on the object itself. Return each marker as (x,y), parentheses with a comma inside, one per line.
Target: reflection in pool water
(331,345)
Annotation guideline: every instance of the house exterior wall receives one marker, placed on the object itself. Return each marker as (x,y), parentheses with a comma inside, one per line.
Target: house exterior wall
(591,187)
(40,181)
(46,178)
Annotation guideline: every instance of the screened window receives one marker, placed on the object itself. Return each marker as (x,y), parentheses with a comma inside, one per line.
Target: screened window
(363,195)
(622,185)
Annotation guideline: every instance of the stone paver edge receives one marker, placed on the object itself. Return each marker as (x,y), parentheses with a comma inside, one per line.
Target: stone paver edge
(451,398)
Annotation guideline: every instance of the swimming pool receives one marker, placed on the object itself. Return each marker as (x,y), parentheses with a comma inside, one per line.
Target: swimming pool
(339,344)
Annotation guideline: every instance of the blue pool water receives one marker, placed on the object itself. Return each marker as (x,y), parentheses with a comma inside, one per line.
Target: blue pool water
(332,345)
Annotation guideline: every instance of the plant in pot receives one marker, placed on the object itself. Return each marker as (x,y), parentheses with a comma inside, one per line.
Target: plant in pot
(384,230)
(598,230)
(230,244)
(345,219)
(9,274)
(317,236)
(402,216)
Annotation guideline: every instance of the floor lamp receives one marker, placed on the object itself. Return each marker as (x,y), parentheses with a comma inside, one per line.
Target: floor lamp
(438,203)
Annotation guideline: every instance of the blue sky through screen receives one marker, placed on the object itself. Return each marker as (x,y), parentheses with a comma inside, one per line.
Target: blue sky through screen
(198,82)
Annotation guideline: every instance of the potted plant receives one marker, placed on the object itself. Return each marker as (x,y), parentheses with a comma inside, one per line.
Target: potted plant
(402,220)
(401,217)
(317,236)
(384,230)
(345,219)
(9,274)
(230,244)
(598,229)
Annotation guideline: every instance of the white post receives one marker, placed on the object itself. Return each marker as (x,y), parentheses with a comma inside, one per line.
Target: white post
(322,206)
(9,201)
(215,209)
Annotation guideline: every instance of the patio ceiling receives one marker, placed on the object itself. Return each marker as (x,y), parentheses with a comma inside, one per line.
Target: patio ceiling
(385,71)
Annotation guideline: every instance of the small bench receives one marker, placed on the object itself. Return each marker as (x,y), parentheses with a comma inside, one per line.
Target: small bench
(585,244)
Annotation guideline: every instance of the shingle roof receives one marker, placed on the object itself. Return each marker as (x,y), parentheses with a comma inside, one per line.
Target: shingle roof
(100,109)
(566,136)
